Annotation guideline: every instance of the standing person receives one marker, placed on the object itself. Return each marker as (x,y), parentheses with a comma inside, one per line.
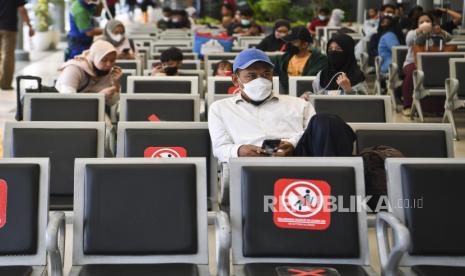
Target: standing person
(300,59)
(144,6)
(8,30)
(274,42)
(83,26)
(320,21)
(111,4)
(131,8)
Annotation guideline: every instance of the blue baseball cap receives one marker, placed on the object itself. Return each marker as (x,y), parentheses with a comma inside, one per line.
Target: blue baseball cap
(248,57)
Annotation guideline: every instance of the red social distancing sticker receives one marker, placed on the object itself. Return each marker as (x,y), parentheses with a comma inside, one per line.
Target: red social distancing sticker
(301,204)
(3,197)
(306,271)
(165,152)
(153,118)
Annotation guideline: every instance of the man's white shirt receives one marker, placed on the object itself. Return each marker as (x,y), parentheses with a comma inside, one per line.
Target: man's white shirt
(233,122)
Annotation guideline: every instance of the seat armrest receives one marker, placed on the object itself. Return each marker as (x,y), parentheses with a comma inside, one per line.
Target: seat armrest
(390,256)
(55,242)
(224,185)
(452,89)
(418,88)
(223,243)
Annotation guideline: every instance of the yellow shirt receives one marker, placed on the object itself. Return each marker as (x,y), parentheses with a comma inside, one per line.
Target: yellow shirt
(296,65)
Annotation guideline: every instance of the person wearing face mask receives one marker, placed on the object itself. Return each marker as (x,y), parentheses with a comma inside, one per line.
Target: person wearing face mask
(93,71)
(387,10)
(320,21)
(114,33)
(342,75)
(419,36)
(83,27)
(390,37)
(274,42)
(165,22)
(179,20)
(240,124)
(245,25)
(171,61)
(299,59)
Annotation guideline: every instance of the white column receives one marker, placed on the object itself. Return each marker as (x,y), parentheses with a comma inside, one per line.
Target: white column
(361,7)
(427,5)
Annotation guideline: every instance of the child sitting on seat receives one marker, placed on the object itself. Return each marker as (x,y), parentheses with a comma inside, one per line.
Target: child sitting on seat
(224,69)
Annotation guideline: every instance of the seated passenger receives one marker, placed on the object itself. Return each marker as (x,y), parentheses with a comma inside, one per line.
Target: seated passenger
(300,59)
(342,75)
(170,63)
(390,37)
(224,69)
(274,42)
(93,71)
(239,125)
(115,34)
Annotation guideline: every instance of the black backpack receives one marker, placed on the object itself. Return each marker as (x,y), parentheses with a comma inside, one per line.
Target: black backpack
(375,172)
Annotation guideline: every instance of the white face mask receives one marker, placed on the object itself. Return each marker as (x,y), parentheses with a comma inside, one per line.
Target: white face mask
(116,37)
(258,90)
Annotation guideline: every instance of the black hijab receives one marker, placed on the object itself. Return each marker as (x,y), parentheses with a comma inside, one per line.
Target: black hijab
(346,63)
(271,43)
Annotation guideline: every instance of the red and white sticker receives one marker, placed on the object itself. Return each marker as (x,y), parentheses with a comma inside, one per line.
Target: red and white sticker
(302,204)
(306,271)
(165,152)
(153,118)
(3,197)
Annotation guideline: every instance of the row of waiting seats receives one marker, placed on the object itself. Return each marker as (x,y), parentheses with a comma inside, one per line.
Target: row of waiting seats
(149,217)
(63,142)
(155,107)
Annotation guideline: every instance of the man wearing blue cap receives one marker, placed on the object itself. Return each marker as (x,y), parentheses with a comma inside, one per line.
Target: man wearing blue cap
(239,125)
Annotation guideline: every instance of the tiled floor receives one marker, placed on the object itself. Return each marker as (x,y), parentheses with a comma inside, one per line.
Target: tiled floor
(45,64)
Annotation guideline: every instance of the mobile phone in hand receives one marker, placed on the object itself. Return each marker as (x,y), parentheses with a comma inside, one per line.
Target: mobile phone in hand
(270,145)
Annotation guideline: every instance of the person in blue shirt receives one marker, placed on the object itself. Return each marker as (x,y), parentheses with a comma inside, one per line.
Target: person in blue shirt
(83,26)
(390,37)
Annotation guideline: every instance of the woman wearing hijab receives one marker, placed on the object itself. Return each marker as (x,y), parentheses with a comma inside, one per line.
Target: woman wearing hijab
(93,71)
(391,36)
(342,73)
(115,34)
(274,41)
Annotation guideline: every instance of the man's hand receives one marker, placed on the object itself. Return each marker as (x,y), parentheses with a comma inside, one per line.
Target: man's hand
(31,31)
(250,151)
(284,149)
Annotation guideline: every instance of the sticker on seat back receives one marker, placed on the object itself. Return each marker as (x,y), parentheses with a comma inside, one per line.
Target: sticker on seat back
(3,198)
(165,152)
(306,271)
(301,204)
(153,118)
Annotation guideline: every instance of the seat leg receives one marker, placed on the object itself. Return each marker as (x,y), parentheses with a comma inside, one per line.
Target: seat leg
(417,106)
(450,118)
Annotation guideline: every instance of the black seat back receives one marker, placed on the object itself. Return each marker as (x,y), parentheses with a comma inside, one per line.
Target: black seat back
(260,230)
(162,86)
(222,87)
(62,146)
(401,55)
(353,110)
(163,109)
(460,76)
(124,81)
(136,201)
(168,143)
(19,205)
(440,187)
(436,69)
(127,64)
(304,86)
(412,143)
(64,109)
